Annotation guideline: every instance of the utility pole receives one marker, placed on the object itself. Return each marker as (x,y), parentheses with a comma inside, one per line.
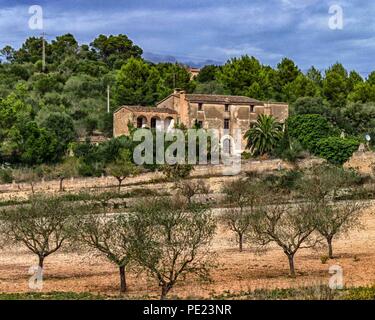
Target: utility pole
(43,52)
(108,103)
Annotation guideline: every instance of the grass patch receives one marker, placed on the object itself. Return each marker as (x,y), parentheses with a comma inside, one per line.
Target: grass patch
(51,296)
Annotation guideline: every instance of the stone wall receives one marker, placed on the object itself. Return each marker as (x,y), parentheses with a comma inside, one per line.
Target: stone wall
(363,162)
(213,175)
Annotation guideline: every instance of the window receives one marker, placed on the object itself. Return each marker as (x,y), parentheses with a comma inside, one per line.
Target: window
(200,106)
(252,109)
(226,123)
(227,108)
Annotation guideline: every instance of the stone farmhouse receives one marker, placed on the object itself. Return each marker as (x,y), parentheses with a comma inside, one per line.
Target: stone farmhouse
(226,113)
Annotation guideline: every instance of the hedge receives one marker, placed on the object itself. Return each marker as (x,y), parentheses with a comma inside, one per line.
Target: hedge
(309,129)
(336,150)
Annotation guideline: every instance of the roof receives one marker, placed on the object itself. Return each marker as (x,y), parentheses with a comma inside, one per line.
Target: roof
(208,98)
(147,109)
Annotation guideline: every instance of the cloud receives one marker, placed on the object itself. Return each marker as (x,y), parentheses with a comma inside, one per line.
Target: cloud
(200,30)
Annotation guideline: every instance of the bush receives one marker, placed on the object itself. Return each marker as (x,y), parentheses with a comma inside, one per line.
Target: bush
(6,176)
(177,171)
(309,129)
(336,150)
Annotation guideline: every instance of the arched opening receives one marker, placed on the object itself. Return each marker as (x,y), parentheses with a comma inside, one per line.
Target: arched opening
(169,124)
(226,145)
(141,122)
(156,123)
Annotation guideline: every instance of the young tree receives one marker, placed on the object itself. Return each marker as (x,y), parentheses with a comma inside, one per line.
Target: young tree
(189,189)
(65,170)
(28,175)
(106,234)
(320,188)
(40,226)
(171,240)
(178,171)
(333,220)
(242,196)
(122,168)
(291,228)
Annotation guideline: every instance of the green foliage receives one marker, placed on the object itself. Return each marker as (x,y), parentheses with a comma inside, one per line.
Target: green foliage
(68,99)
(207,74)
(6,176)
(177,171)
(62,126)
(336,150)
(264,136)
(115,50)
(309,129)
(171,239)
(136,84)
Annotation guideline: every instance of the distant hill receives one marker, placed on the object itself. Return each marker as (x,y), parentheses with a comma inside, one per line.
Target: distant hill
(157,58)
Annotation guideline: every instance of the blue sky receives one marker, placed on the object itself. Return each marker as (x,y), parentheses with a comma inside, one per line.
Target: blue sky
(199,30)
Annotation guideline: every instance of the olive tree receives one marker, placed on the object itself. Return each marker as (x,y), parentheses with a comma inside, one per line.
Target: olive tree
(335,219)
(105,234)
(332,219)
(65,170)
(27,175)
(289,227)
(122,168)
(171,240)
(189,189)
(40,225)
(177,171)
(242,196)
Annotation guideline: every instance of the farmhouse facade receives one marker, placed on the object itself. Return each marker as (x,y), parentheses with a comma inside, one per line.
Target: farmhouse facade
(225,113)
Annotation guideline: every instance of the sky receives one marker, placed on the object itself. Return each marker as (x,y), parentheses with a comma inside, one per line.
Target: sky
(201,31)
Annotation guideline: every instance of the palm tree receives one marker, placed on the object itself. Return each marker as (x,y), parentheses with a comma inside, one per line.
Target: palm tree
(263,137)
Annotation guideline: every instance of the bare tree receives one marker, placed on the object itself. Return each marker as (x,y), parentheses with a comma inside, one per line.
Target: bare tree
(335,219)
(189,189)
(106,234)
(242,196)
(321,188)
(172,240)
(40,226)
(28,175)
(291,228)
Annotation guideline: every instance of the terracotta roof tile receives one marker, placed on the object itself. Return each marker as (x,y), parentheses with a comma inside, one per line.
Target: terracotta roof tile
(149,109)
(208,98)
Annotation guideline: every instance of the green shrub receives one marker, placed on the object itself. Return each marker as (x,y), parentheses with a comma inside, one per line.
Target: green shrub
(6,176)
(308,129)
(336,150)
(177,171)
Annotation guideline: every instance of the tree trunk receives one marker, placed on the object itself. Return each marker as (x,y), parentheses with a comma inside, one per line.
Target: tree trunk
(119,184)
(123,287)
(330,248)
(164,291)
(41,261)
(240,241)
(61,184)
(32,188)
(291,265)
